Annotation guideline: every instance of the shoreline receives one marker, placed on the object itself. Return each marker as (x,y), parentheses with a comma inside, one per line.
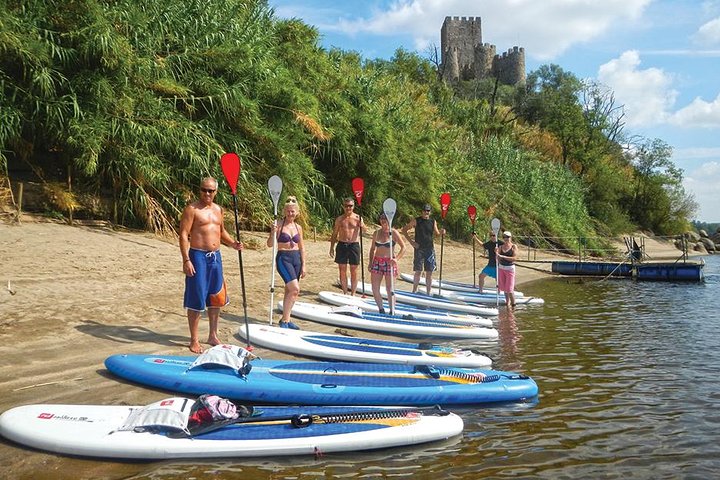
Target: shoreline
(73,295)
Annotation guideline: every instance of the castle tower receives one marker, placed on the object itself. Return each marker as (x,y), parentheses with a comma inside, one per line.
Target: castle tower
(510,66)
(463,56)
(462,34)
(484,58)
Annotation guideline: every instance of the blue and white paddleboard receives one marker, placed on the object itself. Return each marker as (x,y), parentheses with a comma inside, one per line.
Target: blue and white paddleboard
(453,285)
(433,301)
(399,325)
(419,312)
(356,349)
(324,383)
(459,299)
(134,432)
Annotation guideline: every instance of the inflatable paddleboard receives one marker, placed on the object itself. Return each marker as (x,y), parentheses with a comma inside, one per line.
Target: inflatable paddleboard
(402,326)
(368,304)
(453,285)
(423,300)
(483,298)
(155,431)
(323,383)
(354,349)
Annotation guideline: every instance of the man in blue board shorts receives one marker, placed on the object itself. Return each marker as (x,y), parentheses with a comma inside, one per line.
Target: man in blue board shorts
(201,233)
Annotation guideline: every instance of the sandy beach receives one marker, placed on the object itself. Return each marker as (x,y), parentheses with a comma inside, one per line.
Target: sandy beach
(70,296)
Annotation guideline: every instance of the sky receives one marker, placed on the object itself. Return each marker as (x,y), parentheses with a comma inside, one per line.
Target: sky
(661,58)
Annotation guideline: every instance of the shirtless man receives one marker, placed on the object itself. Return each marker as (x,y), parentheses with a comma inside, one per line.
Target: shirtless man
(346,233)
(201,233)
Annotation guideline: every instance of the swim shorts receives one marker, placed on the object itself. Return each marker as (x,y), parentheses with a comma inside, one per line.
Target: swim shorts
(289,265)
(424,260)
(206,289)
(347,253)
(490,271)
(383,266)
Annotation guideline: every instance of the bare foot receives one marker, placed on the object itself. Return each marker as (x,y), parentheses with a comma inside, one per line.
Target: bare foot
(213,341)
(195,347)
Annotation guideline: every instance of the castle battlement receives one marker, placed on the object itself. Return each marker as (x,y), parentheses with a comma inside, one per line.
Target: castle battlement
(464,56)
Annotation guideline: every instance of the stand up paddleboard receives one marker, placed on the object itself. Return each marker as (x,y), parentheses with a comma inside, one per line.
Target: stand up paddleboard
(159,431)
(355,349)
(321,383)
(454,286)
(399,325)
(368,304)
(433,301)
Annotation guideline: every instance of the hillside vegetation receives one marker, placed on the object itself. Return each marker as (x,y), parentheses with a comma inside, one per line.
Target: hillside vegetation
(119,108)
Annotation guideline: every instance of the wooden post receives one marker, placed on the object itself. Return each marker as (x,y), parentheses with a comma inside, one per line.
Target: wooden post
(69,184)
(19,202)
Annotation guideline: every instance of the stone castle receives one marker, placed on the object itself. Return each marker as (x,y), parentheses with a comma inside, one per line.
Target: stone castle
(464,56)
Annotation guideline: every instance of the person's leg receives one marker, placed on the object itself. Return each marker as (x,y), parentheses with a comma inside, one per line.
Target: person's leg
(391,293)
(193,317)
(292,290)
(375,279)
(481,282)
(417,269)
(428,282)
(342,268)
(353,279)
(213,317)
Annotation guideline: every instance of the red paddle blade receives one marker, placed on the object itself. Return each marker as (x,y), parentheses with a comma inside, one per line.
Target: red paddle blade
(472,213)
(358,188)
(230,164)
(444,204)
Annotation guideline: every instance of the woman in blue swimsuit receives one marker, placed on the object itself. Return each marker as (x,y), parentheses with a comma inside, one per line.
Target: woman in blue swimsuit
(290,257)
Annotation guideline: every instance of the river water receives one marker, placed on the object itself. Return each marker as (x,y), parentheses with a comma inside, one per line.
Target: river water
(628,383)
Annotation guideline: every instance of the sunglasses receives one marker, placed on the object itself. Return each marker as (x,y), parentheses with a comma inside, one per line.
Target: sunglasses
(207,190)
(348,206)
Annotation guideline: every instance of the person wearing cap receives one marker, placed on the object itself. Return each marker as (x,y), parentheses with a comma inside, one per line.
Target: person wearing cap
(424,258)
(490,270)
(383,263)
(346,233)
(506,255)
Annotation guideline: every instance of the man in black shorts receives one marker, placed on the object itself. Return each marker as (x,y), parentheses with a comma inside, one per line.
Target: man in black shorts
(424,258)
(346,234)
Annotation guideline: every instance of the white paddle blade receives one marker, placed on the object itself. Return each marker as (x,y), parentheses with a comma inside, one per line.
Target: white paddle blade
(495,225)
(275,186)
(389,208)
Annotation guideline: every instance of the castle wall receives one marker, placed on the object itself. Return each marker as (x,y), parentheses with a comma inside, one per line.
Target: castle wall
(464,57)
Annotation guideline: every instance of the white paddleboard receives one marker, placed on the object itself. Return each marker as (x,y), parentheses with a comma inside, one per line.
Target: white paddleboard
(353,317)
(355,349)
(434,301)
(453,286)
(93,431)
(419,312)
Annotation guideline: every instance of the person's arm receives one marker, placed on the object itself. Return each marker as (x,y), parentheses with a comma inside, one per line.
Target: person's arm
(371,255)
(273,234)
(410,225)
(186,222)
(436,231)
(301,247)
(333,237)
(363,227)
(400,242)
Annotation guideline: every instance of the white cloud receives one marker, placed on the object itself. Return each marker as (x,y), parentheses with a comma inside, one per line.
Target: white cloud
(547,28)
(709,33)
(703,182)
(698,114)
(647,94)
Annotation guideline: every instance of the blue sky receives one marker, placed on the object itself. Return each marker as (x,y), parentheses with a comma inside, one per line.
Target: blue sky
(660,57)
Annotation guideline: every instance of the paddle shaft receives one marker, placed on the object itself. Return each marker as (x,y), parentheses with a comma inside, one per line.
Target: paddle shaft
(242,272)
